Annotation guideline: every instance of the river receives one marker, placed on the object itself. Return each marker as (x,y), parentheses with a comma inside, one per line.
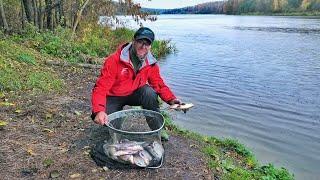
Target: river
(253,78)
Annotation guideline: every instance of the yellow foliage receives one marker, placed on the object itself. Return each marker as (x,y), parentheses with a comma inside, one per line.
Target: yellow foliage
(6,104)
(3,123)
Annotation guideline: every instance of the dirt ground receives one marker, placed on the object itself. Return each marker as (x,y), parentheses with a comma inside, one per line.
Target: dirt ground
(51,136)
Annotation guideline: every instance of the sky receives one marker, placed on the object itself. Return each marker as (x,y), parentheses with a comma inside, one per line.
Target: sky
(169,4)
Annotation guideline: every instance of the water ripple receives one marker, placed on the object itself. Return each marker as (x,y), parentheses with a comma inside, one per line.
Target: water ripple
(278,29)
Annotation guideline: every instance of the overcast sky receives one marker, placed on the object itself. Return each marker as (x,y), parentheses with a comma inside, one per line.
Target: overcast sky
(169,4)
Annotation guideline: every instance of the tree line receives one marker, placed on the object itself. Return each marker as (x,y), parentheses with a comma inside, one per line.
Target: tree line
(50,14)
(249,6)
(204,8)
(270,6)
(15,15)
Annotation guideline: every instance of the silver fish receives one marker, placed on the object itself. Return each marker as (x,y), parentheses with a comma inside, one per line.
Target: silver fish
(183,106)
(186,106)
(139,161)
(127,158)
(145,156)
(156,150)
(127,147)
(132,145)
(141,154)
(110,151)
(125,152)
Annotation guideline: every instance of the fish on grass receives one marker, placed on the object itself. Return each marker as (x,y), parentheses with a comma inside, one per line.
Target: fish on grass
(141,154)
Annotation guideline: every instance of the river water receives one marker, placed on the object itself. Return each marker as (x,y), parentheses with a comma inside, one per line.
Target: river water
(253,78)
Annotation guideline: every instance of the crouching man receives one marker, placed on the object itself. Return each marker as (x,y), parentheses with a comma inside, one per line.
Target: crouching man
(130,76)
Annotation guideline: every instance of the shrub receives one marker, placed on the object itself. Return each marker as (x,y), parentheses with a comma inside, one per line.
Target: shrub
(92,41)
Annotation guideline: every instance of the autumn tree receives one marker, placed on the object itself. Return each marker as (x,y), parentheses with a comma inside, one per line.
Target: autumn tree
(49,14)
(3,19)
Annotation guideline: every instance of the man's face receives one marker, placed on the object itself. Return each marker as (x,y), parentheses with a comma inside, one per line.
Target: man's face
(141,46)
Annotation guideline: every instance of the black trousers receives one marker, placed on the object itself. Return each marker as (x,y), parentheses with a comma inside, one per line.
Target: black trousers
(144,96)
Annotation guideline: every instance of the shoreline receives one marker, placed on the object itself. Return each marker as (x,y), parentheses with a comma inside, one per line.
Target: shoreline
(48,127)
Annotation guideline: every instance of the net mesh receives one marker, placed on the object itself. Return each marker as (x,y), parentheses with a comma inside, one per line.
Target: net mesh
(129,125)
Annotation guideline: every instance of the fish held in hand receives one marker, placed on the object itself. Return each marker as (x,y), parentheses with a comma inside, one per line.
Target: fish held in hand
(183,107)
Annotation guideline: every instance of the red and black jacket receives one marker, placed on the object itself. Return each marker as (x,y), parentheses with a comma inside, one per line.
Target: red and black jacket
(118,78)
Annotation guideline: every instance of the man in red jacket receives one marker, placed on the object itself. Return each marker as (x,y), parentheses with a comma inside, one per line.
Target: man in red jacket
(130,76)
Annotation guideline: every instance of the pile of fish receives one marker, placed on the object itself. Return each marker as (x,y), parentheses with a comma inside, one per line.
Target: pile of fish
(142,154)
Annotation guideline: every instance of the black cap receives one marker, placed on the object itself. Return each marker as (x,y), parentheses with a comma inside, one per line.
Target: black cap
(144,33)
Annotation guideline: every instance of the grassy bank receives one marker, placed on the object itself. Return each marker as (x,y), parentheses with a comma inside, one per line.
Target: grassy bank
(23,70)
(23,56)
(230,159)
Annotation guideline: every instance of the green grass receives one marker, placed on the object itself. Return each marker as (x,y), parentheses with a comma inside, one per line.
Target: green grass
(92,41)
(27,58)
(229,159)
(44,81)
(22,56)
(22,69)
(162,48)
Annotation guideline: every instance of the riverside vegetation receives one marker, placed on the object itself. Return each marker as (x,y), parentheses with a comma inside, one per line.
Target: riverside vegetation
(26,81)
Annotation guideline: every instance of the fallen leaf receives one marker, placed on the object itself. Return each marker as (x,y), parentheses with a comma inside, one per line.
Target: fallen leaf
(31,118)
(48,116)
(105,168)
(64,150)
(63,144)
(86,152)
(30,152)
(18,111)
(206,139)
(205,171)
(76,175)
(86,147)
(48,162)
(78,113)
(3,124)
(47,130)
(193,146)
(6,104)
(54,174)
(2,95)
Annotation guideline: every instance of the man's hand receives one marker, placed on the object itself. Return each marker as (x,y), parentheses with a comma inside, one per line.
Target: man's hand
(101,118)
(174,101)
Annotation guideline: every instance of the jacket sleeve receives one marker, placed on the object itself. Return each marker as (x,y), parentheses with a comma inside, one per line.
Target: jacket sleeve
(103,85)
(156,82)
